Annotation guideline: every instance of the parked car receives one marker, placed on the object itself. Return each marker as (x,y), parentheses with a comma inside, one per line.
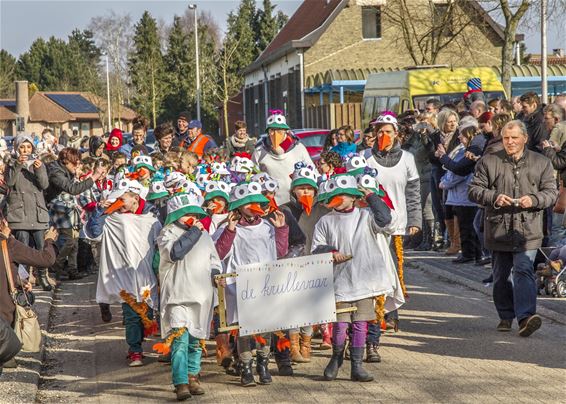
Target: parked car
(313,140)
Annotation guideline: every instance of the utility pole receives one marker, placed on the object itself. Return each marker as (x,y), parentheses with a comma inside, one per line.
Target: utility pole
(194,8)
(109,107)
(544,61)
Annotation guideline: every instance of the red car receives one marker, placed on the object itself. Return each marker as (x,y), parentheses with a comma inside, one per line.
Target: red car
(313,140)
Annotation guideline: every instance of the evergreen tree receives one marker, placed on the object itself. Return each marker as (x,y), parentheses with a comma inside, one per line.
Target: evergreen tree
(267,25)
(242,26)
(180,72)
(147,69)
(8,67)
(30,63)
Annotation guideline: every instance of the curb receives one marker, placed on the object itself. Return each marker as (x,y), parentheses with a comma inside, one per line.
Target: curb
(21,385)
(478,287)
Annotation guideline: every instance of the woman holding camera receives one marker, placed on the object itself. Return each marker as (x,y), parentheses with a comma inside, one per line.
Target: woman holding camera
(27,214)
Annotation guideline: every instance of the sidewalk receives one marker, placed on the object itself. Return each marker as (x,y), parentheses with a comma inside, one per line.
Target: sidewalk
(20,385)
(471,276)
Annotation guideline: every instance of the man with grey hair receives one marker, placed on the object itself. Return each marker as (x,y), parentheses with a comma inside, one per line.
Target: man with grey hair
(514,186)
(477,108)
(555,125)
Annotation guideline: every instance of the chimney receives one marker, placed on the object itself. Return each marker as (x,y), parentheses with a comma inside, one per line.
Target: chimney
(558,52)
(22,101)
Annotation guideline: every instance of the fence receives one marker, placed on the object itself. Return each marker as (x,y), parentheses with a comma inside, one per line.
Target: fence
(334,115)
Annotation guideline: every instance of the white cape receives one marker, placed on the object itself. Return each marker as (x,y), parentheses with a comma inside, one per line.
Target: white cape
(126,256)
(186,285)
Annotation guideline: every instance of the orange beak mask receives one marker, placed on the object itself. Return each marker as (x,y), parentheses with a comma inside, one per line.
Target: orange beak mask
(114,207)
(256,209)
(384,142)
(335,202)
(190,221)
(306,202)
(277,137)
(272,204)
(215,208)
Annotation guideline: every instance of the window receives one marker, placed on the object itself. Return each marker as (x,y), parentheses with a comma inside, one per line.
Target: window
(371,22)
(393,104)
(85,129)
(368,108)
(380,106)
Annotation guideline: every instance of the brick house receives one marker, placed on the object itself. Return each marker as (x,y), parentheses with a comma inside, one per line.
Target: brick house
(58,111)
(325,52)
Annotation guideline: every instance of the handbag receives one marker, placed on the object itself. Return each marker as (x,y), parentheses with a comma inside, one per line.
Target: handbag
(560,205)
(26,324)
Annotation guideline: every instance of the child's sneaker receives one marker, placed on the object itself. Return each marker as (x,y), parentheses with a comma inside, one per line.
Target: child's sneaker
(135,359)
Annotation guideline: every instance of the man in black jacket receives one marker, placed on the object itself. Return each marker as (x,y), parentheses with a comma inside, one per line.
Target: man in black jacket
(533,118)
(514,186)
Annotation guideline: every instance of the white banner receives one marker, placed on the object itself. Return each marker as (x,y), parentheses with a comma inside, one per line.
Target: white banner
(285,294)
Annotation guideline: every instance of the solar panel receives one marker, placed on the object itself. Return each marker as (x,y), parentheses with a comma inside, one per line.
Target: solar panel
(7,103)
(74,103)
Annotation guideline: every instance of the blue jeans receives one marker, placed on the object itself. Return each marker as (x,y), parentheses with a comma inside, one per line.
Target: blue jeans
(134,328)
(374,329)
(185,358)
(518,298)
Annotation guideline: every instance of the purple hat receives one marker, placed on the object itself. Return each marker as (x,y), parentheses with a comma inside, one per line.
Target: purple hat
(195,124)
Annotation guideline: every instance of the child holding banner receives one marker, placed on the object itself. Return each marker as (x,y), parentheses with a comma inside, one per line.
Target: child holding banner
(306,213)
(249,239)
(358,239)
(188,260)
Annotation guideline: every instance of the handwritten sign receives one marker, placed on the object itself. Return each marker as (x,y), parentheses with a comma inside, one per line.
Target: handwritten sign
(285,294)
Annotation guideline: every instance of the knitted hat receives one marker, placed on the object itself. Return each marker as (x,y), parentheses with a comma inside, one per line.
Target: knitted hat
(127,185)
(245,193)
(268,184)
(215,189)
(277,121)
(157,190)
(183,204)
(304,175)
(385,118)
(343,184)
(356,164)
(143,162)
(474,84)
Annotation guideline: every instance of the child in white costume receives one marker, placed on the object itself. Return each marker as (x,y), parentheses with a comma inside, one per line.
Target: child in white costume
(248,239)
(188,261)
(128,231)
(363,268)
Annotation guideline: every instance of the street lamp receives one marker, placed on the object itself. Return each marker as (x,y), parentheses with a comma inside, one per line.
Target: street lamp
(108,106)
(194,8)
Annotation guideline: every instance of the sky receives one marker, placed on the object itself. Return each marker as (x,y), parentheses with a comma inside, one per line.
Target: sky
(22,21)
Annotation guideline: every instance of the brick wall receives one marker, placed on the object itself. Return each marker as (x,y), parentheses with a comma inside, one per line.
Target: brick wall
(341,46)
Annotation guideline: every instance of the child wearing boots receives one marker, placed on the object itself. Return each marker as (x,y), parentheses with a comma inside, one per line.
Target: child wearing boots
(358,239)
(188,261)
(248,239)
(127,228)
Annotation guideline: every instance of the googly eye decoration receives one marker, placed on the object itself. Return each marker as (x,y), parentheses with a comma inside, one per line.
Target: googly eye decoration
(355,163)
(271,185)
(276,119)
(157,187)
(367,181)
(142,160)
(346,181)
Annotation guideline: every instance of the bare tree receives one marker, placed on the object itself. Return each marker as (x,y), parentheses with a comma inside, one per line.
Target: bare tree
(113,34)
(228,84)
(428,27)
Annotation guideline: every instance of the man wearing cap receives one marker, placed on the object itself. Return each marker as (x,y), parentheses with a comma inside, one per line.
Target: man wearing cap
(196,141)
(127,228)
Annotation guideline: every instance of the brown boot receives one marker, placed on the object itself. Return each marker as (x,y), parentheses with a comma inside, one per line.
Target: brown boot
(182,391)
(306,347)
(296,349)
(194,386)
(223,351)
(451,226)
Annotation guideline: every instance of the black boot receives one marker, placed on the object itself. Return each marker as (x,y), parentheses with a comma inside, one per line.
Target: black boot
(246,375)
(283,361)
(262,368)
(331,371)
(105,312)
(426,243)
(358,373)
(43,281)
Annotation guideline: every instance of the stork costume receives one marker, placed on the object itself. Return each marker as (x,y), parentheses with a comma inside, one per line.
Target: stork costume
(188,262)
(128,243)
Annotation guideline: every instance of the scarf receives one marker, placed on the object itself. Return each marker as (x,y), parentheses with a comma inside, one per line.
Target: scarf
(237,143)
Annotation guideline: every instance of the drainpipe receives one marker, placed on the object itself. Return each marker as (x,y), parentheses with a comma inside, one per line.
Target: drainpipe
(265,90)
(302,79)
